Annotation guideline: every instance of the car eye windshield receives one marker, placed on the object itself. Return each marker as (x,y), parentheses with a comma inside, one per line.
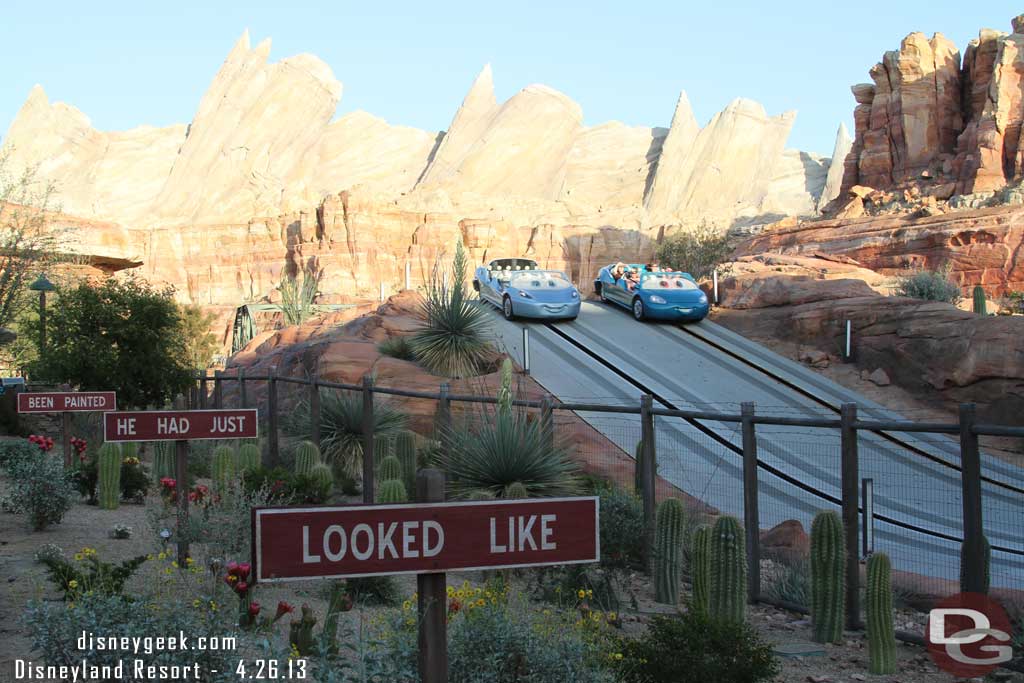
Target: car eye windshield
(540,281)
(667,281)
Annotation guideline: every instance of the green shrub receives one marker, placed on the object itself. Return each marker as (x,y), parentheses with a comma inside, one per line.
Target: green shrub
(693,648)
(503,450)
(135,482)
(602,587)
(622,529)
(374,590)
(40,489)
(697,251)
(397,347)
(86,572)
(791,583)
(15,451)
(297,297)
(931,285)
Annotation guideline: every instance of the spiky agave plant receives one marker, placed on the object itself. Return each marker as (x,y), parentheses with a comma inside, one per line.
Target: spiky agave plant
(297,298)
(502,450)
(341,426)
(453,340)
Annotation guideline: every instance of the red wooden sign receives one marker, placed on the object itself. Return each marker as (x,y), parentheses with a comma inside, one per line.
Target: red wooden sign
(180,425)
(66,401)
(297,543)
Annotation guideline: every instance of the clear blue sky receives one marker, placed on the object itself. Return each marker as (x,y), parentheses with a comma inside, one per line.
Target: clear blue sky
(126,64)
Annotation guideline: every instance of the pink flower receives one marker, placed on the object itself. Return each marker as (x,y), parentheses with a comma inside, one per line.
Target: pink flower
(243,570)
(241,587)
(254,609)
(283,608)
(232,567)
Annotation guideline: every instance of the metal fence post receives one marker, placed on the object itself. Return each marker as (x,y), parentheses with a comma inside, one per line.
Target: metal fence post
(648,468)
(314,410)
(526,350)
(973,570)
(273,451)
(242,398)
(751,514)
(850,482)
(368,440)
(444,417)
(547,422)
(218,389)
(202,391)
(432,597)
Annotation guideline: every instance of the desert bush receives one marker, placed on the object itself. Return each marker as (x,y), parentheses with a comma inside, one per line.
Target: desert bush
(341,427)
(14,451)
(574,585)
(791,582)
(374,590)
(453,340)
(622,528)
(297,297)
(87,573)
(40,489)
(692,648)
(504,449)
(397,347)
(698,251)
(931,285)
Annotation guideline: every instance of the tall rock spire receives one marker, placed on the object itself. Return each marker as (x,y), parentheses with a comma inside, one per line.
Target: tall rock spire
(834,179)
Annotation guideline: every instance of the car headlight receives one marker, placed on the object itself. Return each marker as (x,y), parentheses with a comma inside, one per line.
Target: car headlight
(575,294)
(703,298)
(655,299)
(525,295)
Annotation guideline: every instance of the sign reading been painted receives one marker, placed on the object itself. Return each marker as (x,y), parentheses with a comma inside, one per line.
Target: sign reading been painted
(369,540)
(66,401)
(180,425)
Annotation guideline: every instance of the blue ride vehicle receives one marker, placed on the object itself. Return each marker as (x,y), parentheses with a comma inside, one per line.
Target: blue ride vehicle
(658,295)
(522,290)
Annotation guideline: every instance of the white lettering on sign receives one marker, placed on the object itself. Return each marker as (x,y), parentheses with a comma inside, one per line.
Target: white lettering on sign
(364,541)
(229,425)
(40,402)
(126,426)
(83,401)
(520,534)
(172,425)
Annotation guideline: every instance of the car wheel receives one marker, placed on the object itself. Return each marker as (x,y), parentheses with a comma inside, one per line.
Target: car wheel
(604,299)
(476,285)
(506,308)
(638,308)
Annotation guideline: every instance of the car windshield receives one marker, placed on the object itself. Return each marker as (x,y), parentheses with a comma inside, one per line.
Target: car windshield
(540,279)
(512,264)
(666,281)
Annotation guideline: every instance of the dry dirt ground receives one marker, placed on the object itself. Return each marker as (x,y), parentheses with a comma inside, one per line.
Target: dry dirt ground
(86,525)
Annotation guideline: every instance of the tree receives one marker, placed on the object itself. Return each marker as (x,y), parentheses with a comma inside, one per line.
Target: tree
(121,335)
(200,343)
(698,251)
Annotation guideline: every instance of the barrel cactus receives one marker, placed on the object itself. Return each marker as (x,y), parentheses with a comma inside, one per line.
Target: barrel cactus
(323,476)
(728,586)
(505,391)
(405,451)
(881,632)
(480,495)
(249,457)
(828,584)
(700,568)
(980,304)
(392,491)
(389,468)
(986,555)
(307,456)
(109,475)
(163,460)
(668,550)
(516,490)
(224,467)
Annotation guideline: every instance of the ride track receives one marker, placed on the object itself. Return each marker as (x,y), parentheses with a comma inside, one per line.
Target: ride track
(917,483)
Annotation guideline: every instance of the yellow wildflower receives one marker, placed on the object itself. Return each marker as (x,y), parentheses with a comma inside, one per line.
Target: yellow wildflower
(196,602)
(407,605)
(78,557)
(189,561)
(174,564)
(294,653)
(72,584)
(162,556)
(581,594)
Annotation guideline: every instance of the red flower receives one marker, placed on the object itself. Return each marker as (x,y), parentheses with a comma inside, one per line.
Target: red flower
(241,587)
(243,570)
(454,606)
(283,608)
(232,567)
(254,609)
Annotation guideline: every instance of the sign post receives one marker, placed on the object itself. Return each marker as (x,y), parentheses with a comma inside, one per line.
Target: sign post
(181,426)
(65,403)
(432,596)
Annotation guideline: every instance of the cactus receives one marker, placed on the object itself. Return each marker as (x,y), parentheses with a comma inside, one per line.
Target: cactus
(480,494)
(322,475)
(249,457)
(389,468)
(980,304)
(392,491)
(668,550)
(516,490)
(300,633)
(109,465)
(163,460)
(224,466)
(339,602)
(381,448)
(307,456)
(986,554)
(129,449)
(700,568)
(728,585)
(828,558)
(405,451)
(881,633)
(638,478)
(505,391)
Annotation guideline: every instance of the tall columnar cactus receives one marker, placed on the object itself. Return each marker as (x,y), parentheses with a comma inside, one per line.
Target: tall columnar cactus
(129,449)
(389,468)
(668,550)
(727,601)
(700,568)
(322,475)
(980,304)
(381,448)
(339,601)
(224,466)
(307,456)
(109,465)
(828,584)
(405,451)
(249,457)
(163,460)
(515,491)
(392,491)
(881,632)
(986,555)
(505,391)
(638,468)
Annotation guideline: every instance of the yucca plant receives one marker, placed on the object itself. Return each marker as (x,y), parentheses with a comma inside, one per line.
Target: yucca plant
(453,340)
(297,297)
(341,426)
(397,347)
(504,449)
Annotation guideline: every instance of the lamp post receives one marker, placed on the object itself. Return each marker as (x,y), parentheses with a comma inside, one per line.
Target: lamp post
(42,285)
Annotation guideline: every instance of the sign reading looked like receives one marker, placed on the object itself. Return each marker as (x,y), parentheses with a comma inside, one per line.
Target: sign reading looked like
(66,401)
(180,425)
(335,542)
